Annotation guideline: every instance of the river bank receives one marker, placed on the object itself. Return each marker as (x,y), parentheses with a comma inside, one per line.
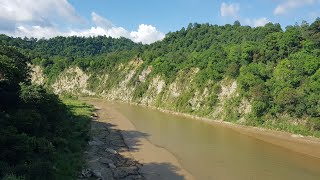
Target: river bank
(155,162)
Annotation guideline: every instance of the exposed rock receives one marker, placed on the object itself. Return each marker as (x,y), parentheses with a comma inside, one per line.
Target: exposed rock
(37,76)
(118,143)
(97,174)
(181,85)
(245,107)
(227,90)
(86,173)
(155,88)
(122,172)
(173,88)
(133,177)
(144,74)
(112,151)
(74,81)
(111,165)
(104,160)
(122,91)
(198,98)
(95,143)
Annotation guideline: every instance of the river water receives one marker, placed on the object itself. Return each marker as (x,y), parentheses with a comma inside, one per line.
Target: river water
(216,152)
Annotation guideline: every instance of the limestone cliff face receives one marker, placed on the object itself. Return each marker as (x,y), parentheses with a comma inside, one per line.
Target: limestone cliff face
(37,76)
(180,95)
(72,81)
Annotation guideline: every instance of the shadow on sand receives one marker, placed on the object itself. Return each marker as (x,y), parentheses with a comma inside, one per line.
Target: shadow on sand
(107,138)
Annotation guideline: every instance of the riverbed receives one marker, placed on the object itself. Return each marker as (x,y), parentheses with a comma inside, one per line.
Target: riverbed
(176,147)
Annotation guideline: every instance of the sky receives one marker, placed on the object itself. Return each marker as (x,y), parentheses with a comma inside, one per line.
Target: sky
(144,21)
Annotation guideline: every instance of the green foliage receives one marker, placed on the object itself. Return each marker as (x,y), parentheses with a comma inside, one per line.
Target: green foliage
(72,47)
(314,32)
(182,104)
(140,90)
(230,107)
(259,108)
(37,131)
(13,70)
(13,177)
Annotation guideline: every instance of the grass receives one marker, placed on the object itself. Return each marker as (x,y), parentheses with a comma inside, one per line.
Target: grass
(295,129)
(70,159)
(78,108)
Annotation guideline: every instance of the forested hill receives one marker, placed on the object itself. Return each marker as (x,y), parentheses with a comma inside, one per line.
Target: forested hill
(71,47)
(263,76)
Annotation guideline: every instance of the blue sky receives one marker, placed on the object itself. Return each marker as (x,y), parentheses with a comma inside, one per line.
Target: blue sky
(172,15)
(143,21)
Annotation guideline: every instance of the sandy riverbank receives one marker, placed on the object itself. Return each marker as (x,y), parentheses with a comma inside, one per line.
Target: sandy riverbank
(158,163)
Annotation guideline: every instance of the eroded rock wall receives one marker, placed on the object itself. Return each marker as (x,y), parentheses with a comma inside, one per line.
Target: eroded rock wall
(180,95)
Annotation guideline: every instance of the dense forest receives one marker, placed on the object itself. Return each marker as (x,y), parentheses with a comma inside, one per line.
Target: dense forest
(277,71)
(40,137)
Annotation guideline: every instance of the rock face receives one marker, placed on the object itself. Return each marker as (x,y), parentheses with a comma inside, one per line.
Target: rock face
(144,74)
(104,158)
(156,86)
(74,81)
(37,76)
(132,78)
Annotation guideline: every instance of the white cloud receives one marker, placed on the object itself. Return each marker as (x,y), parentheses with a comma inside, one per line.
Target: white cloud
(146,34)
(256,22)
(229,10)
(37,11)
(37,32)
(27,18)
(100,21)
(233,9)
(288,5)
(115,32)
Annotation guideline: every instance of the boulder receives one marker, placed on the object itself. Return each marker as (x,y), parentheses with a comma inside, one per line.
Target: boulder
(112,151)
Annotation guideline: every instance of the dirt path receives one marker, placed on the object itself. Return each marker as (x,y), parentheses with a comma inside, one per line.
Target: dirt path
(118,151)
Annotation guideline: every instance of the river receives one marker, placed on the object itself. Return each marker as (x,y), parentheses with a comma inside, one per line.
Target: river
(216,152)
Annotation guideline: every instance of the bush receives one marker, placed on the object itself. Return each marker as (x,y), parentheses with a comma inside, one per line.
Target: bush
(314,124)
(259,108)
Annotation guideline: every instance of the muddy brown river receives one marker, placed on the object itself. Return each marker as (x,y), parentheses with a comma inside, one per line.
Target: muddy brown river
(217,152)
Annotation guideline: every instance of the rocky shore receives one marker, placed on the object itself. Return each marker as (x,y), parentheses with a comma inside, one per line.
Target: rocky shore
(108,156)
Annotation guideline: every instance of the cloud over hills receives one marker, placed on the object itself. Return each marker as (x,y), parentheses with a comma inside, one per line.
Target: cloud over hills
(41,19)
(233,9)
(230,10)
